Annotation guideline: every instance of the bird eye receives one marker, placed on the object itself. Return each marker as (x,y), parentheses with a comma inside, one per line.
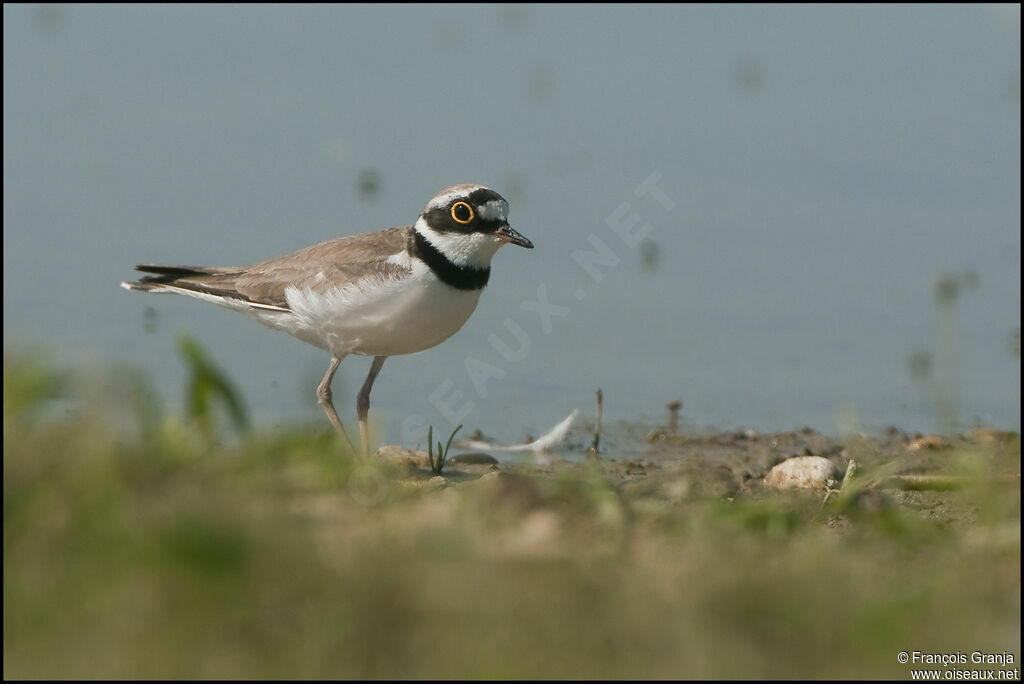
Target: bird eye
(462,213)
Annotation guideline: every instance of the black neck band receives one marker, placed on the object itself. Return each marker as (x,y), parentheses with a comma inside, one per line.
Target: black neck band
(459,277)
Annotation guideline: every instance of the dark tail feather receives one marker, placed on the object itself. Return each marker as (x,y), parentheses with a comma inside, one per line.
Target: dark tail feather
(177,277)
(165,275)
(168,273)
(137,285)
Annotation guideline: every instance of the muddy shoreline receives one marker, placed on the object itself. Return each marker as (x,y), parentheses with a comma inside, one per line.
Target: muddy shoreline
(925,473)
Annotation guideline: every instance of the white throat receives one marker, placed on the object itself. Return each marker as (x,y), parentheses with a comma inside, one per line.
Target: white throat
(462,249)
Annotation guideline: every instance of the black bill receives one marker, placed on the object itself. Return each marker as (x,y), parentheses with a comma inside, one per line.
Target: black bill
(512,236)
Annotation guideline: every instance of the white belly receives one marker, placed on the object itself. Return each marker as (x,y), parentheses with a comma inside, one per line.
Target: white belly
(377,317)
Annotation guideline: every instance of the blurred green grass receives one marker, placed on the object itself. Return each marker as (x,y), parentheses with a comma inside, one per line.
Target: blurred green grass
(140,544)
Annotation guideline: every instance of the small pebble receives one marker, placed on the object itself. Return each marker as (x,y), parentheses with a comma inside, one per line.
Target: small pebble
(926,442)
(803,472)
(473,458)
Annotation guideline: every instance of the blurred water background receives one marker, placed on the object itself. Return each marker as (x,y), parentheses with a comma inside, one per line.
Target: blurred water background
(832,193)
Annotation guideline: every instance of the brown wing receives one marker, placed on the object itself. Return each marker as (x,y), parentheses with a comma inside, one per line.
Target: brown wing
(342,260)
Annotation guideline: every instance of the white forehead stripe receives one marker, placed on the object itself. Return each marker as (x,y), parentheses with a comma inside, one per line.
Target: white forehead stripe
(495,210)
(456,191)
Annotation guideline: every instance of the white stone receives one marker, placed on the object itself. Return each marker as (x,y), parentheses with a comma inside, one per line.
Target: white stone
(803,472)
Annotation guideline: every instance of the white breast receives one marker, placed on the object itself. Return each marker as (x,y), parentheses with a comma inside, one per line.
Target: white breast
(378,316)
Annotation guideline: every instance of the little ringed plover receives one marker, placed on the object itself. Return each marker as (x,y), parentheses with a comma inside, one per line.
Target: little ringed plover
(394,291)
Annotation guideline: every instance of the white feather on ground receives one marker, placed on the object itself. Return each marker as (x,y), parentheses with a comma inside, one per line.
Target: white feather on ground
(547,440)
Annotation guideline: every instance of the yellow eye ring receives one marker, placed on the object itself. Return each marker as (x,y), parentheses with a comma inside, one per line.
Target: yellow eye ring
(463,209)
